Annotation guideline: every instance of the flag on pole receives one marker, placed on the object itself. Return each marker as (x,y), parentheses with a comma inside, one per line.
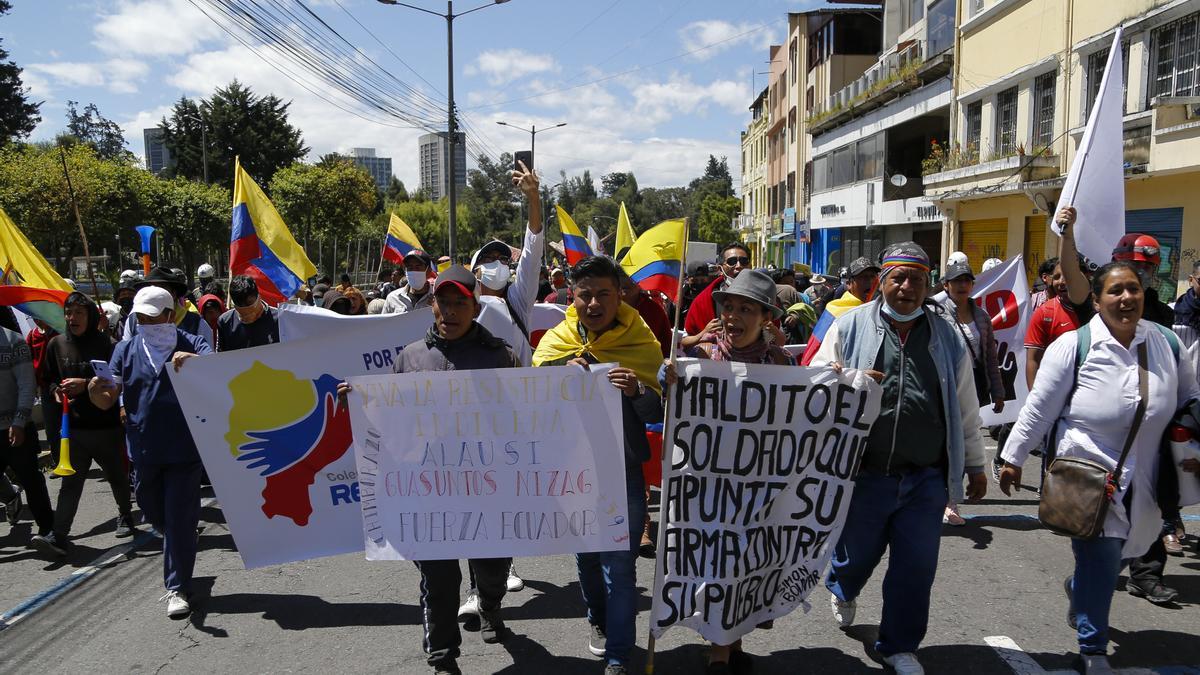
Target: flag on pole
(575,246)
(32,284)
(1095,184)
(400,241)
(625,235)
(656,258)
(594,241)
(260,245)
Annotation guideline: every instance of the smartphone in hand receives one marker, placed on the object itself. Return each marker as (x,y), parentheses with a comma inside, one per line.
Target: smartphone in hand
(523,156)
(103,371)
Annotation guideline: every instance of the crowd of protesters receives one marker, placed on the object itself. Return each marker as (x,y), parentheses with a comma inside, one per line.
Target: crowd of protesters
(1128,354)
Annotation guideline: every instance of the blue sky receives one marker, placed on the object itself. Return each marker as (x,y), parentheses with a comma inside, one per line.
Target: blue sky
(656,110)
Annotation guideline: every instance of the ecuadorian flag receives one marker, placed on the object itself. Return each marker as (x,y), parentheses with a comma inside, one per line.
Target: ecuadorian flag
(575,245)
(656,258)
(400,241)
(261,246)
(833,310)
(27,281)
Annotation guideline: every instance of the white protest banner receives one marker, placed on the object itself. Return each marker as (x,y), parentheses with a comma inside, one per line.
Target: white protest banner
(759,485)
(1003,292)
(1095,184)
(297,322)
(274,443)
(489,463)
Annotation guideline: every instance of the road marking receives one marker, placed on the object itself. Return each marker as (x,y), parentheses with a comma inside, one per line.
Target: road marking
(1000,517)
(1012,654)
(56,590)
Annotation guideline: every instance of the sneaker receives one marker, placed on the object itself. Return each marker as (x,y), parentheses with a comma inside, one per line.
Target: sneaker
(449,667)
(904,663)
(468,612)
(177,604)
(514,582)
(646,548)
(125,527)
(12,508)
(1155,593)
(1071,621)
(843,611)
(49,544)
(1172,544)
(491,627)
(1096,664)
(597,641)
(615,669)
(951,517)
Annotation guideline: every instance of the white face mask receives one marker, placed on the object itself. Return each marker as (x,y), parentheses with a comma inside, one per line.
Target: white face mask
(160,340)
(494,275)
(416,280)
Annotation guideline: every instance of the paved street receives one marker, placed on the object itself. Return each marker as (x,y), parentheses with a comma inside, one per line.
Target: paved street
(998,609)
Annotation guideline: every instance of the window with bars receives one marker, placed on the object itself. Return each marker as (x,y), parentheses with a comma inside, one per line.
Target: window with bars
(1174,59)
(1043,115)
(1006,122)
(1096,62)
(974,130)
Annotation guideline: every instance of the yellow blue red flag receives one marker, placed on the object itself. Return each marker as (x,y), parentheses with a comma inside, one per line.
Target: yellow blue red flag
(575,245)
(30,283)
(656,258)
(260,245)
(400,241)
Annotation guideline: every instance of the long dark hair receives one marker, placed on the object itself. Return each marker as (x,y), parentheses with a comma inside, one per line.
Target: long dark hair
(1102,274)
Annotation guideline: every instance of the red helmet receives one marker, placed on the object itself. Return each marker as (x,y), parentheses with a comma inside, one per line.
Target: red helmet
(1136,247)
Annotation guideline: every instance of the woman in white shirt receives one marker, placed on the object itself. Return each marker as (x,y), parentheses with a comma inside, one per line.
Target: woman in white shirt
(1094,422)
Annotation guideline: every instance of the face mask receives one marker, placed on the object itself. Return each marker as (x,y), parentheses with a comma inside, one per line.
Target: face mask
(160,340)
(126,304)
(494,275)
(416,280)
(902,318)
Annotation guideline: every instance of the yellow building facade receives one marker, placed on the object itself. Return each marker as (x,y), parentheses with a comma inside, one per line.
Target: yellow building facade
(1026,74)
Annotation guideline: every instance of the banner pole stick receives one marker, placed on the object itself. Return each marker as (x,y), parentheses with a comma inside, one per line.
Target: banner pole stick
(62,156)
(666,464)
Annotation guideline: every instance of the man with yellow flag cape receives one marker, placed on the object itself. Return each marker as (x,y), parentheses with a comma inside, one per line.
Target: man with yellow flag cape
(599,328)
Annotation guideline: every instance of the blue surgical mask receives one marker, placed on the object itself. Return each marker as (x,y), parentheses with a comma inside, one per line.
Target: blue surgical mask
(897,316)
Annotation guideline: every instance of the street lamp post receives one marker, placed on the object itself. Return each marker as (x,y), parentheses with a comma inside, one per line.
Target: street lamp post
(532,131)
(451,125)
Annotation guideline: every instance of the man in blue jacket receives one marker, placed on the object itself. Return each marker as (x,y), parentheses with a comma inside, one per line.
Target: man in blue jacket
(166,464)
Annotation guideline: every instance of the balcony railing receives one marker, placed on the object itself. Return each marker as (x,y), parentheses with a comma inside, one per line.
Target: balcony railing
(898,65)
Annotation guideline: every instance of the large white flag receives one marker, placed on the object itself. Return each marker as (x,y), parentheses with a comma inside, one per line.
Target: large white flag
(1095,185)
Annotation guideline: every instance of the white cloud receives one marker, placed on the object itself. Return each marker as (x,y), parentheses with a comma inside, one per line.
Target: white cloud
(662,101)
(118,75)
(723,35)
(502,66)
(154,28)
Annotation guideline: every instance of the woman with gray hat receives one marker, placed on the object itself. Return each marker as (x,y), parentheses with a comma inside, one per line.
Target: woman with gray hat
(975,327)
(746,335)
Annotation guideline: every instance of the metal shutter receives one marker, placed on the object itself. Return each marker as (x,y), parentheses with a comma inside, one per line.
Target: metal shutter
(983,239)
(1165,225)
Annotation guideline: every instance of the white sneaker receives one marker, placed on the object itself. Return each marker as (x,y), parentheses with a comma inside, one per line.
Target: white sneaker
(1096,664)
(471,606)
(514,582)
(177,604)
(904,663)
(843,611)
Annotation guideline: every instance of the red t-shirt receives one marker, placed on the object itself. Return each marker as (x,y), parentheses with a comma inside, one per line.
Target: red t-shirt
(1049,321)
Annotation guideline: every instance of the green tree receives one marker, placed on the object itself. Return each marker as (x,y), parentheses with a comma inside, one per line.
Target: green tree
(18,116)
(429,220)
(104,135)
(395,191)
(323,202)
(493,203)
(194,219)
(236,123)
(716,217)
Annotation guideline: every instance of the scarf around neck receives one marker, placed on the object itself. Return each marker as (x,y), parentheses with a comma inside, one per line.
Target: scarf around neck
(629,343)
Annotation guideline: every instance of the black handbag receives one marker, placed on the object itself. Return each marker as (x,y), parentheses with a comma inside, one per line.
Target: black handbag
(1076,492)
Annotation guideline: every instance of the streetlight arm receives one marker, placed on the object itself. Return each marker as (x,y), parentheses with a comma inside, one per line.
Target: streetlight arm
(494,2)
(419,9)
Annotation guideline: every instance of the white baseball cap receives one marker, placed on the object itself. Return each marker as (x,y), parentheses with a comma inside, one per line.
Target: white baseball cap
(957,257)
(153,301)
(991,262)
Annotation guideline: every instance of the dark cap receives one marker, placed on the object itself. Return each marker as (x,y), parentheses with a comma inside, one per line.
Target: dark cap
(957,269)
(861,265)
(696,268)
(456,277)
(754,285)
(164,278)
(422,255)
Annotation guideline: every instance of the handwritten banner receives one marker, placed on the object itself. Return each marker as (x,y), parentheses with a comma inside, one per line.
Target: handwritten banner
(760,480)
(490,463)
(275,445)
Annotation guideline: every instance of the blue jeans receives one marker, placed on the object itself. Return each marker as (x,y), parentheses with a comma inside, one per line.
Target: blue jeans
(903,514)
(1097,566)
(609,580)
(169,496)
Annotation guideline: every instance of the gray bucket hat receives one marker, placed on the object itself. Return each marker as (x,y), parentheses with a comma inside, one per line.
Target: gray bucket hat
(755,285)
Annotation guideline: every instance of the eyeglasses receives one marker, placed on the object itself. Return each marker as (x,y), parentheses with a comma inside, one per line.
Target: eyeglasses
(737,260)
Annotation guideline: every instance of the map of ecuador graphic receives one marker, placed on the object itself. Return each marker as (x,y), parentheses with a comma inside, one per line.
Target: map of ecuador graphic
(287,430)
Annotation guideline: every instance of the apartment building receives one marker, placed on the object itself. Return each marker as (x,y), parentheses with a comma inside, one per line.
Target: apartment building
(754,221)
(1018,113)
(825,50)
(870,135)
